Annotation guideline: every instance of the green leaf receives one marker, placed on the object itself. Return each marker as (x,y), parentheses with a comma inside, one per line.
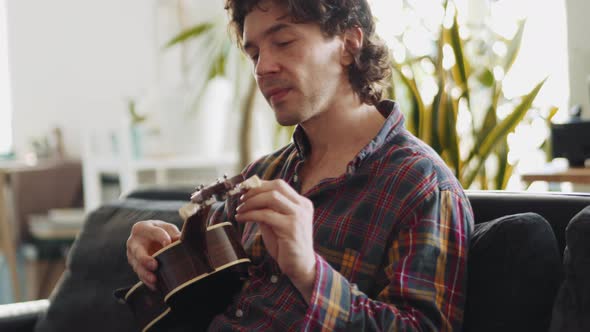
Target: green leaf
(503,167)
(510,122)
(447,121)
(194,32)
(440,43)
(390,91)
(440,103)
(483,179)
(454,150)
(426,120)
(461,69)
(135,117)
(507,174)
(486,78)
(552,112)
(219,65)
(419,108)
(514,47)
(489,123)
(546,146)
(439,100)
(503,129)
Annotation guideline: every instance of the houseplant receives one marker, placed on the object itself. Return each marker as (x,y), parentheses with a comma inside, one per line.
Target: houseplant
(459,86)
(220,58)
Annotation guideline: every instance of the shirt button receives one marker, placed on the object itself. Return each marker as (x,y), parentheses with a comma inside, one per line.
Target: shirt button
(274,279)
(239,313)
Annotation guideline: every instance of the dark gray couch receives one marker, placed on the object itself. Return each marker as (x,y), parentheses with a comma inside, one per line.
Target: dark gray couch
(84,300)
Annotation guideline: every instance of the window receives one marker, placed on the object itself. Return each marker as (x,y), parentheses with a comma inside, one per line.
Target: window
(5,93)
(543,53)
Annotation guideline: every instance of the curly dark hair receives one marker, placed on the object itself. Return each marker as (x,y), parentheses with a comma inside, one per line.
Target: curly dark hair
(371,69)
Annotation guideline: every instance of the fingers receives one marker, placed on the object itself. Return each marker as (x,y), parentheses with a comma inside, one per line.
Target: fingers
(141,262)
(172,230)
(147,277)
(273,200)
(147,237)
(158,231)
(276,185)
(266,217)
(273,203)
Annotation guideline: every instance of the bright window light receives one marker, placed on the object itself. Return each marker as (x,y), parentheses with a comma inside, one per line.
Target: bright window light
(543,54)
(5,94)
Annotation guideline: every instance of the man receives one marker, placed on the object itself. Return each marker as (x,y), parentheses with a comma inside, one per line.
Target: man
(359,225)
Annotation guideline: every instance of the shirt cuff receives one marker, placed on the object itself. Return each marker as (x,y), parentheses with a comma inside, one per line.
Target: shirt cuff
(329,308)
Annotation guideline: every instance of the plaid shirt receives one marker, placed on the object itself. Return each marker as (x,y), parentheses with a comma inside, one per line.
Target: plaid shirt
(390,236)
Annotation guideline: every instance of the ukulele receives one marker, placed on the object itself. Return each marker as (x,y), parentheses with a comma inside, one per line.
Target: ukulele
(198,274)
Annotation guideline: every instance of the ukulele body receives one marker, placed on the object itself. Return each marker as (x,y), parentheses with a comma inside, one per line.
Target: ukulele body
(198,275)
(190,291)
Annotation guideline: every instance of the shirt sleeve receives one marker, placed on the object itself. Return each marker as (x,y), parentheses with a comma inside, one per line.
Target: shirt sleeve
(426,277)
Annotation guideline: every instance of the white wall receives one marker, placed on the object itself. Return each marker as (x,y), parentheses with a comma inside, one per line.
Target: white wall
(74,62)
(72,58)
(5,95)
(578,12)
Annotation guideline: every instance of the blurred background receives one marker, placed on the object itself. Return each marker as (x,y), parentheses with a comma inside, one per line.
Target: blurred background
(99,98)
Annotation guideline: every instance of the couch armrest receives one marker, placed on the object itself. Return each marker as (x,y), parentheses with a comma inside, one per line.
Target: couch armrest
(21,316)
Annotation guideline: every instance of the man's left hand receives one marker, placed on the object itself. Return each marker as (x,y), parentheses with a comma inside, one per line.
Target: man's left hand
(285,219)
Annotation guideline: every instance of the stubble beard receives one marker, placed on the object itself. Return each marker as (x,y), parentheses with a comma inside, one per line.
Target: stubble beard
(294,112)
(288,117)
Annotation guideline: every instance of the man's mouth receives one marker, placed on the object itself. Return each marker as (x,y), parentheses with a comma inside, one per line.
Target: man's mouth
(276,95)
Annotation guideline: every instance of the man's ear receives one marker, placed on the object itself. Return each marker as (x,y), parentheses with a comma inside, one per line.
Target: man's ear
(353,42)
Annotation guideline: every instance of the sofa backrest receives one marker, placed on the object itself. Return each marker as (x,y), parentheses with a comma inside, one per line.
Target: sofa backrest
(557,208)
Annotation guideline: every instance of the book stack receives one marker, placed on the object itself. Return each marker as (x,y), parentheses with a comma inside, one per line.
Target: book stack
(57,224)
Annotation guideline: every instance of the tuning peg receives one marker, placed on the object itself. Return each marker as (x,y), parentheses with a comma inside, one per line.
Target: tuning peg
(225,176)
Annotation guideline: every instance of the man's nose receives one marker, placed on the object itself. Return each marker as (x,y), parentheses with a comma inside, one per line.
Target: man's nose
(266,64)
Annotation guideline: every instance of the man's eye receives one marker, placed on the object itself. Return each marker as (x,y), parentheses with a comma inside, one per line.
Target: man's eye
(285,43)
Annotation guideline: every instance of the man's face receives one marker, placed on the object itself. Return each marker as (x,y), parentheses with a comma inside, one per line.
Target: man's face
(297,68)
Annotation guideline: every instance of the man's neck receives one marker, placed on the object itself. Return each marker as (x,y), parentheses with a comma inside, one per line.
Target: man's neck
(343,129)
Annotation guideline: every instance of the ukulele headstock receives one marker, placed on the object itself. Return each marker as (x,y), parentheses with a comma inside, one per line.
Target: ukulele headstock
(205,196)
(218,190)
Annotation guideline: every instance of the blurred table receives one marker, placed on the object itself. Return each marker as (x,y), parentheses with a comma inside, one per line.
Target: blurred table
(579,175)
(8,240)
(45,265)
(27,189)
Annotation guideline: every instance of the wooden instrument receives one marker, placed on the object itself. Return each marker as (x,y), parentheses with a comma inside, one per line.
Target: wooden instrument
(197,275)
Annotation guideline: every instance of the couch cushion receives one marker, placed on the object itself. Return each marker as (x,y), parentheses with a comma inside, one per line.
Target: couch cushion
(572,305)
(556,208)
(97,265)
(513,274)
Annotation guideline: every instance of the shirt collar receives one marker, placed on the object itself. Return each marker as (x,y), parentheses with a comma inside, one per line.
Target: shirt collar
(393,123)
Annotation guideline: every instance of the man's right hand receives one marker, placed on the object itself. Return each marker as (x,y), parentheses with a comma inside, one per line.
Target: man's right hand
(147,237)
